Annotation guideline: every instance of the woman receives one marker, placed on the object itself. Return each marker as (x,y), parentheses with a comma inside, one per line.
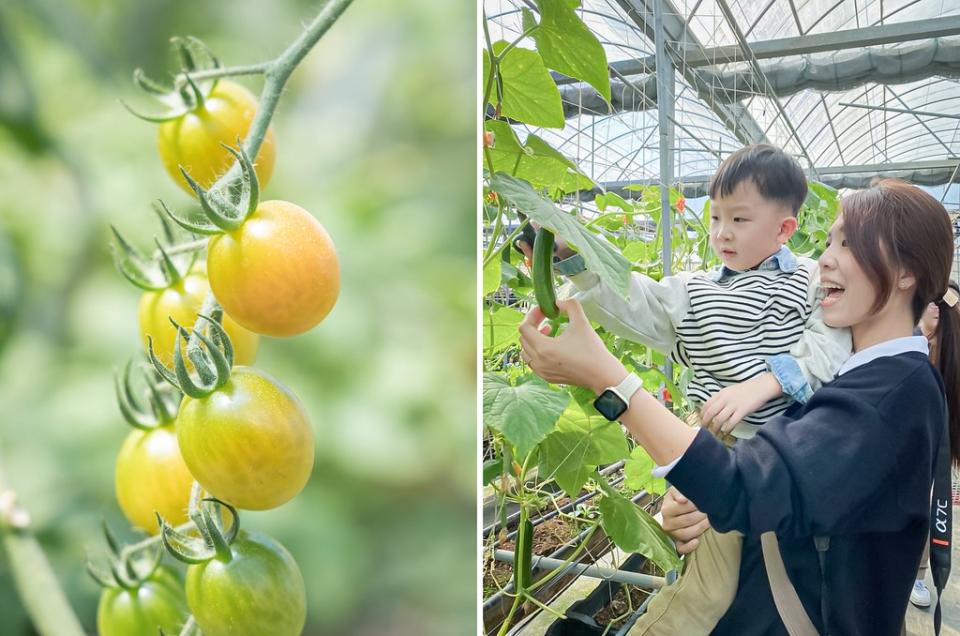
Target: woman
(855,463)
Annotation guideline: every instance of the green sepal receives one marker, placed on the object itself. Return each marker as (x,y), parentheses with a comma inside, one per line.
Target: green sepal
(190,550)
(125,571)
(249,183)
(187,63)
(149,85)
(164,372)
(170,115)
(183,262)
(214,532)
(134,266)
(220,340)
(217,209)
(162,403)
(103,580)
(158,271)
(206,229)
(194,98)
(213,364)
(112,543)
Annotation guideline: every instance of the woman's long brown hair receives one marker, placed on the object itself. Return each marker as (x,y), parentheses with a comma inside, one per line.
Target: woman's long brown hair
(894,226)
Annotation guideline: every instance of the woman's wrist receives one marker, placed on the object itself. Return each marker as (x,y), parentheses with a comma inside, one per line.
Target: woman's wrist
(610,375)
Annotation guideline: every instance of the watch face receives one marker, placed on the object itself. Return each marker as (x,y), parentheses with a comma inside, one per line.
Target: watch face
(610,405)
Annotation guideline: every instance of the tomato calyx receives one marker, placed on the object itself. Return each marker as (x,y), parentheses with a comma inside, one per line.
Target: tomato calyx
(156,407)
(125,571)
(212,362)
(214,541)
(185,95)
(225,208)
(160,270)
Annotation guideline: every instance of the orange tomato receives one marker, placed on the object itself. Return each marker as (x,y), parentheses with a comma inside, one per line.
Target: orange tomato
(278,273)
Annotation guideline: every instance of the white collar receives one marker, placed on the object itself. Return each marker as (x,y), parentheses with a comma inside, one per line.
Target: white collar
(885,348)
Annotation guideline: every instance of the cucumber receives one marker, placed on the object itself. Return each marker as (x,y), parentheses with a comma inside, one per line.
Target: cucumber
(523,556)
(543,289)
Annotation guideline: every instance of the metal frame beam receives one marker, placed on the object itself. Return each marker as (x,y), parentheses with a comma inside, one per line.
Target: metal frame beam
(947,167)
(695,56)
(733,115)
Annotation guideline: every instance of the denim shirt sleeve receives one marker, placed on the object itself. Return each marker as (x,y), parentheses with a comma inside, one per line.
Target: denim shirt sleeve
(784,366)
(570,266)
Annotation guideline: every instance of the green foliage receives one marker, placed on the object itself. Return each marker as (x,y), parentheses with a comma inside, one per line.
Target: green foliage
(532,179)
(637,473)
(524,413)
(577,446)
(635,531)
(568,46)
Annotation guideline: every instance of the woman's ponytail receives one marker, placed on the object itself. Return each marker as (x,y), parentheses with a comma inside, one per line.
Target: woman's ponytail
(947,357)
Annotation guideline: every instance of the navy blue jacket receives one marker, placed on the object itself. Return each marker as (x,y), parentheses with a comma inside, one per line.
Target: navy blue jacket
(854,463)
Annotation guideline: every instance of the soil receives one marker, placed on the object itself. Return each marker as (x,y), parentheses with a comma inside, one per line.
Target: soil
(619,610)
(547,538)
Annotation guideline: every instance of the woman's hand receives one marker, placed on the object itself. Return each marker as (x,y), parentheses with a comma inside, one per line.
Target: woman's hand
(683,521)
(577,356)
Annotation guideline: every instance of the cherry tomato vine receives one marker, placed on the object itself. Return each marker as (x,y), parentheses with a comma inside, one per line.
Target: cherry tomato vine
(201,425)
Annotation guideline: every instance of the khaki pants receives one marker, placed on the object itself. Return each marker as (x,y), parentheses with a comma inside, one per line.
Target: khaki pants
(703,593)
(697,601)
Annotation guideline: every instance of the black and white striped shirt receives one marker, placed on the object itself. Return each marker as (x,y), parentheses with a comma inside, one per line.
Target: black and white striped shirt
(727,327)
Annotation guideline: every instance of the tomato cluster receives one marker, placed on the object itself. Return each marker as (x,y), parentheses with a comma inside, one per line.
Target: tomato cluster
(206,421)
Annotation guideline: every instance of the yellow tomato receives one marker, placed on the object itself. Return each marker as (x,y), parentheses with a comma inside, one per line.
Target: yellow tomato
(152,477)
(181,301)
(194,139)
(248,443)
(278,273)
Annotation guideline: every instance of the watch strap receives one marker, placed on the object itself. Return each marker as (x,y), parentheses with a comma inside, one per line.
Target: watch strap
(630,385)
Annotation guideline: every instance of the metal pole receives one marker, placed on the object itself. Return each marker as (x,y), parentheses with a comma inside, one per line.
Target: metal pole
(665,115)
(592,571)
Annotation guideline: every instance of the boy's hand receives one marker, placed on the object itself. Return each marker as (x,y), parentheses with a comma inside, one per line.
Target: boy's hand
(683,521)
(722,412)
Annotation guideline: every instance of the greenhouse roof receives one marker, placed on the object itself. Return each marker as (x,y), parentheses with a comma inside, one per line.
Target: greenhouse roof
(852,88)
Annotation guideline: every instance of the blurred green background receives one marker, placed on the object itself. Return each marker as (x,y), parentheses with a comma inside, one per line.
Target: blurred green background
(376,138)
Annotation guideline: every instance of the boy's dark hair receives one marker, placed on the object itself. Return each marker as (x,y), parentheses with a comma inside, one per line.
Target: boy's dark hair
(777,176)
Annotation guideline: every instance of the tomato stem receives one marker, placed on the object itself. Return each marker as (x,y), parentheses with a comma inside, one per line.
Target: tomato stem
(37,585)
(277,72)
(149,542)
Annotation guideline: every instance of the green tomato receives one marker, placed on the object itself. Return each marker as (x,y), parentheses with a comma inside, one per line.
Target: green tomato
(158,602)
(248,443)
(258,592)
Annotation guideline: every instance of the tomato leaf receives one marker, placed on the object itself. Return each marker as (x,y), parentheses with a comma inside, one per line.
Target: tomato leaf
(637,475)
(525,413)
(568,46)
(600,256)
(633,530)
(500,328)
(529,92)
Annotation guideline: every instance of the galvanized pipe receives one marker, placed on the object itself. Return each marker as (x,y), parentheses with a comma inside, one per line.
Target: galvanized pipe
(594,571)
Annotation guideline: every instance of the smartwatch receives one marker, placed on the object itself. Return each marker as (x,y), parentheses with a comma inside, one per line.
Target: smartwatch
(614,400)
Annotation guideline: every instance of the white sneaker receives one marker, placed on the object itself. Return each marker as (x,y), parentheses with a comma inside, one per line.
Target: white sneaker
(920,596)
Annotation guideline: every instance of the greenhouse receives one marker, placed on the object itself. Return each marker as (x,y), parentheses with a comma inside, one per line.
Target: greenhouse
(604,124)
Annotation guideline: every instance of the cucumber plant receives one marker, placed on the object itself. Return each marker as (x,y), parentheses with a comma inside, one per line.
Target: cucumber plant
(552,433)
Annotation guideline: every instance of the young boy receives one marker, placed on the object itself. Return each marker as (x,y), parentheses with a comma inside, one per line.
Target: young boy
(750,332)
